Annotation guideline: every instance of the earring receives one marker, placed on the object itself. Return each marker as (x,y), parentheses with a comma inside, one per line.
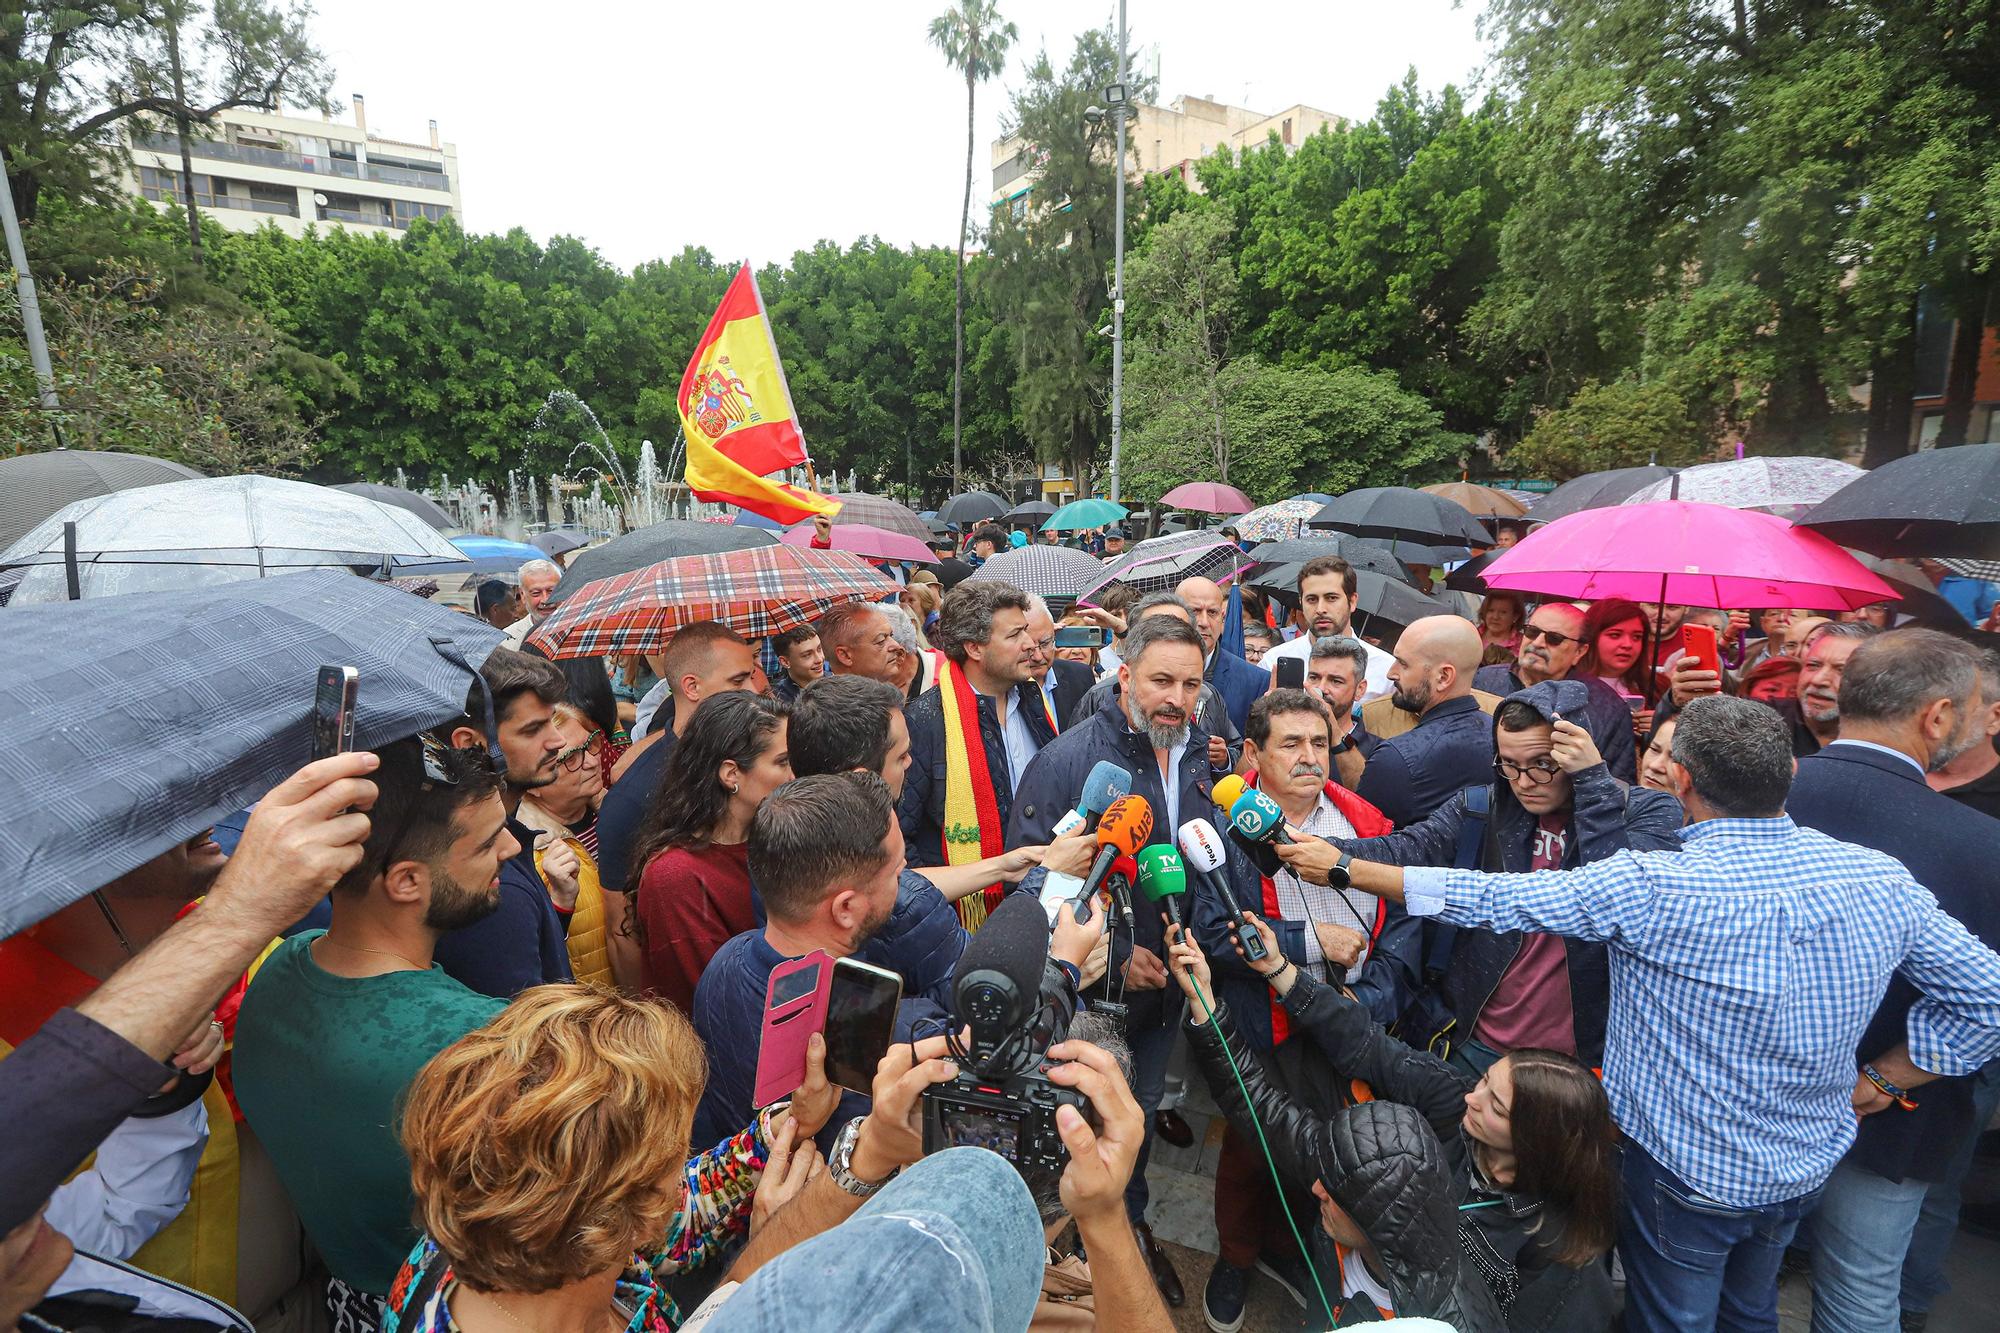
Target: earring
(734,790)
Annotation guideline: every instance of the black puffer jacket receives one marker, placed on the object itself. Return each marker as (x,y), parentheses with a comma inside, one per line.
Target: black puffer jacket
(1381,1163)
(1508,1239)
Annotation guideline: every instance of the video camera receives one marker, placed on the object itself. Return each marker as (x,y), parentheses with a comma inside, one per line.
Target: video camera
(1018,1004)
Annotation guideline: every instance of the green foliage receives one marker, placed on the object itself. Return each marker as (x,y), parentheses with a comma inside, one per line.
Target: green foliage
(1620,424)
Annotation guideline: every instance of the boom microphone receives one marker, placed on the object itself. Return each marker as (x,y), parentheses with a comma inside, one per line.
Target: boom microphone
(1206,856)
(1163,879)
(997,988)
(1126,825)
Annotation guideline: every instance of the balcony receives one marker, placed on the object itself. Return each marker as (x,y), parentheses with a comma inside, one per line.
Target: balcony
(289,161)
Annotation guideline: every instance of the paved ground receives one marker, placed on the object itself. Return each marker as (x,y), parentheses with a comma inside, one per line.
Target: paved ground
(1182,1213)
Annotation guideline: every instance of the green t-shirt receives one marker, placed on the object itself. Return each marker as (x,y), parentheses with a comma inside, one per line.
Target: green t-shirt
(321,1064)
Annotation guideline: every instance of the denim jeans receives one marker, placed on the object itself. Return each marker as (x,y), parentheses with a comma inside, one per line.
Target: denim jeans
(1151,1049)
(1923,1267)
(1861,1231)
(1693,1263)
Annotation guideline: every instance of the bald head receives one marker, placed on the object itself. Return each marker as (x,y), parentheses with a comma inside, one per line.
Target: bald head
(1208,604)
(1435,660)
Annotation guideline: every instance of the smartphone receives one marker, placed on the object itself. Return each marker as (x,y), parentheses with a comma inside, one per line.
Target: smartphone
(794,1009)
(1083,636)
(1290,673)
(860,1021)
(1701,647)
(333,710)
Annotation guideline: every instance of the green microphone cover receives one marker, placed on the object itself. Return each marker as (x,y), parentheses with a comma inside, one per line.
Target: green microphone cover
(1161,874)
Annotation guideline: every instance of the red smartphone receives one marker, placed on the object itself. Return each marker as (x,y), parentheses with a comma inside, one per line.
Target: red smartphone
(1701,648)
(794,1008)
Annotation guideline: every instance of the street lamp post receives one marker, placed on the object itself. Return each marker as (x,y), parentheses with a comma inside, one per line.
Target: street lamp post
(31,309)
(1117,95)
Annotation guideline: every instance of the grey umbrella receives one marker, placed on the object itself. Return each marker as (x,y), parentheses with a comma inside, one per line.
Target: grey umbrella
(33,486)
(425,508)
(1596,490)
(659,541)
(1058,573)
(561,541)
(136,722)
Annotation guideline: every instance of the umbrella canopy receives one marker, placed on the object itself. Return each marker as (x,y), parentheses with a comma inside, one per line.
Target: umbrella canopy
(1471,576)
(877,512)
(970,508)
(656,542)
(1208,497)
(1089,512)
(757,593)
(1401,514)
(1692,554)
(1939,502)
(1781,486)
(1479,501)
(33,486)
(481,555)
(868,542)
(1356,551)
(136,722)
(1059,573)
(187,534)
(1987,570)
(1278,522)
(425,508)
(1159,563)
(559,541)
(1917,596)
(1029,511)
(1381,603)
(1594,490)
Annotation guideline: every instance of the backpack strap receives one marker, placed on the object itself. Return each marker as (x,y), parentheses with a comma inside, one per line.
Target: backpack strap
(1470,856)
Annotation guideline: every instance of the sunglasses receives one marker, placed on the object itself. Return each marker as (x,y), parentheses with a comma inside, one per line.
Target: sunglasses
(1538,774)
(1529,633)
(436,758)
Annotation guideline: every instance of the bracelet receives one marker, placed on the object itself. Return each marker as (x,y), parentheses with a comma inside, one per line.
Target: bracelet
(1888,1089)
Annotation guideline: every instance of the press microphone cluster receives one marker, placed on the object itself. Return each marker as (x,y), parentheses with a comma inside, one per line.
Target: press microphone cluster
(1127,823)
(1206,857)
(1106,783)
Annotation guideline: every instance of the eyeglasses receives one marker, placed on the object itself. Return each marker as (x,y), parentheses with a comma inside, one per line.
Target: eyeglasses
(436,758)
(1529,633)
(572,759)
(1538,774)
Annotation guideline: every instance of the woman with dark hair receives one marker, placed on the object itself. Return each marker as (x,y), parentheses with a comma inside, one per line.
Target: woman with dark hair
(694,894)
(1530,1179)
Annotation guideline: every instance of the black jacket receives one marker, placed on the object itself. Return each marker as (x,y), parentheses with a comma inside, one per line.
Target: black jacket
(1607,817)
(1877,800)
(1411,775)
(1073,681)
(1509,1240)
(1606,716)
(921,809)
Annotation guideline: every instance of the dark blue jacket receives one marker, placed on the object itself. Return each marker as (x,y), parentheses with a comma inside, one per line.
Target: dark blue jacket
(1073,681)
(1411,775)
(920,942)
(1877,800)
(523,943)
(1606,716)
(624,810)
(1049,790)
(1606,817)
(921,809)
(1239,684)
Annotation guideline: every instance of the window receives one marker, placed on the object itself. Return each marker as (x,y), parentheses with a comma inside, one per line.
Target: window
(165,187)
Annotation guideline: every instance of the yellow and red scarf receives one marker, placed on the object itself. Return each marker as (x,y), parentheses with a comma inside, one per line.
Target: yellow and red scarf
(972,829)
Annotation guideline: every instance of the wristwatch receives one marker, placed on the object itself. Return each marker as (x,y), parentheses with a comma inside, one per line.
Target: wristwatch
(840,1161)
(1343,745)
(1338,878)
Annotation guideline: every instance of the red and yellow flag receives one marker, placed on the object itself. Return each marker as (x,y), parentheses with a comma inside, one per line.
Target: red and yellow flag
(737,413)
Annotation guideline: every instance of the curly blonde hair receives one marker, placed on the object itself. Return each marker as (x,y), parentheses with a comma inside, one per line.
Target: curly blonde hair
(549,1144)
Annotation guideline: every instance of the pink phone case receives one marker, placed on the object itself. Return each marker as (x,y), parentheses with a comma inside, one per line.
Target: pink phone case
(788,1028)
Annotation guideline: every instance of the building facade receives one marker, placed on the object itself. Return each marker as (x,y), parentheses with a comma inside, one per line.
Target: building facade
(256,167)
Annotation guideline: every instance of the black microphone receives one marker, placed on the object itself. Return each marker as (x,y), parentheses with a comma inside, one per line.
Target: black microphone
(997,988)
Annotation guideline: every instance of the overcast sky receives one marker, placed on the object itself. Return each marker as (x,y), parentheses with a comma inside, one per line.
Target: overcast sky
(757,127)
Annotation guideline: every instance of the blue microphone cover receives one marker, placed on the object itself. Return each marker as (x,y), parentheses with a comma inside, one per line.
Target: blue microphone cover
(1256,815)
(1106,783)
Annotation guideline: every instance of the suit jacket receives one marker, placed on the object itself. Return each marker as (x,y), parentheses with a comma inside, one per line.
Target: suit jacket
(1073,681)
(1238,683)
(1880,801)
(921,809)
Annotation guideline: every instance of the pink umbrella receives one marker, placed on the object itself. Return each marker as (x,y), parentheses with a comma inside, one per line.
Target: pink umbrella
(1688,554)
(1208,497)
(866,541)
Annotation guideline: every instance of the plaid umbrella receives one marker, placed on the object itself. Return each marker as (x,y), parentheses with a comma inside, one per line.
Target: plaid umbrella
(1988,570)
(1055,572)
(135,722)
(1280,521)
(1159,563)
(877,511)
(650,545)
(757,593)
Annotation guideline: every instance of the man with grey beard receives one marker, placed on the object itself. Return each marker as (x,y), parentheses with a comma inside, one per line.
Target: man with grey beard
(1821,665)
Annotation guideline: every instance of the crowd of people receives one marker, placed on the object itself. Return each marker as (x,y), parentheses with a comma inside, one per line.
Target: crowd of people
(1543,977)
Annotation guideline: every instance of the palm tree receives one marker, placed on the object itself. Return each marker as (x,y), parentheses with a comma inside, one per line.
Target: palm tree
(975,40)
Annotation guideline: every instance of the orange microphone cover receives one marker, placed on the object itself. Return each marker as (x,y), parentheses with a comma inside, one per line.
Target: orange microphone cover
(1126,824)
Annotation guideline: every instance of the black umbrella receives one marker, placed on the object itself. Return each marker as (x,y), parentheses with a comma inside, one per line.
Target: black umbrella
(660,541)
(1031,511)
(1401,513)
(34,486)
(559,541)
(1936,503)
(1380,602)
(972,507)
(1595,490)
(425,508)
(1356,551)
(1470,576)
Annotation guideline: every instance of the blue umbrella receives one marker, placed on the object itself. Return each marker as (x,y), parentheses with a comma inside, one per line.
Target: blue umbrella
(135,722)
(483,555)
(746,519)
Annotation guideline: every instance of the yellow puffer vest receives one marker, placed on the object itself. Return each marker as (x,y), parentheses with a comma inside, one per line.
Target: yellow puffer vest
(589,947)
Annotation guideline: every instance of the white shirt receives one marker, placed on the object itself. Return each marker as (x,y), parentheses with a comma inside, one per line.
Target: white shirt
(1374,686)
(1170,783)
(1021,743)
(1300,901)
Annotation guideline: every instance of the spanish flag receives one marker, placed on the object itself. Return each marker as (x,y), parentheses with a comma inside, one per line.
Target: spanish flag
(737,413)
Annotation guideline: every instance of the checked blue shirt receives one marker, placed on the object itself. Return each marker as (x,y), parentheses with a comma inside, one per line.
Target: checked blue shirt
(1743,969)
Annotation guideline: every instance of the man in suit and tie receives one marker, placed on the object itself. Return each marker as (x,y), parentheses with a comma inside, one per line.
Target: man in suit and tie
(1910,703)
(1062,683)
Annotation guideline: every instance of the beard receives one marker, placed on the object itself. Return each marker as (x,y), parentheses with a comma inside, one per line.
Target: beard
(1413,700)
(1961,740)
(870,928)
(1165,728)
(1815,709)
(454,907)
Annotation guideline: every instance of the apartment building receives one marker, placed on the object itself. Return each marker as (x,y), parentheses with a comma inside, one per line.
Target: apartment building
(257,167)
(1160,139)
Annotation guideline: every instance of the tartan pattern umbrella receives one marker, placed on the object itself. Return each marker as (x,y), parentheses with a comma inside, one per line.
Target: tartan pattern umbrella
(1055,572)
(650,545)
(1159,563)
(759,592)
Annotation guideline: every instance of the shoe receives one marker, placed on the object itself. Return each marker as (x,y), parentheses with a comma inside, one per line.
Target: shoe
(1290,1273)
(1914,1320)
(1167,1123)
(1164,1276)
(1223,1300)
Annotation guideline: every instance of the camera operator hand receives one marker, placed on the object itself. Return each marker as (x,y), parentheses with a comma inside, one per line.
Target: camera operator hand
(1071,940)
(892,1133)
(301,838)
(1100,1162)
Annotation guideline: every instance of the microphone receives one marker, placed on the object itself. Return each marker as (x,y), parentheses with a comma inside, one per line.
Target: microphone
(1127,823)
(1163,879)
(1258,818)
(1205,855)
(1106,783)
(997,988)
(1124,873)
(1227,791)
